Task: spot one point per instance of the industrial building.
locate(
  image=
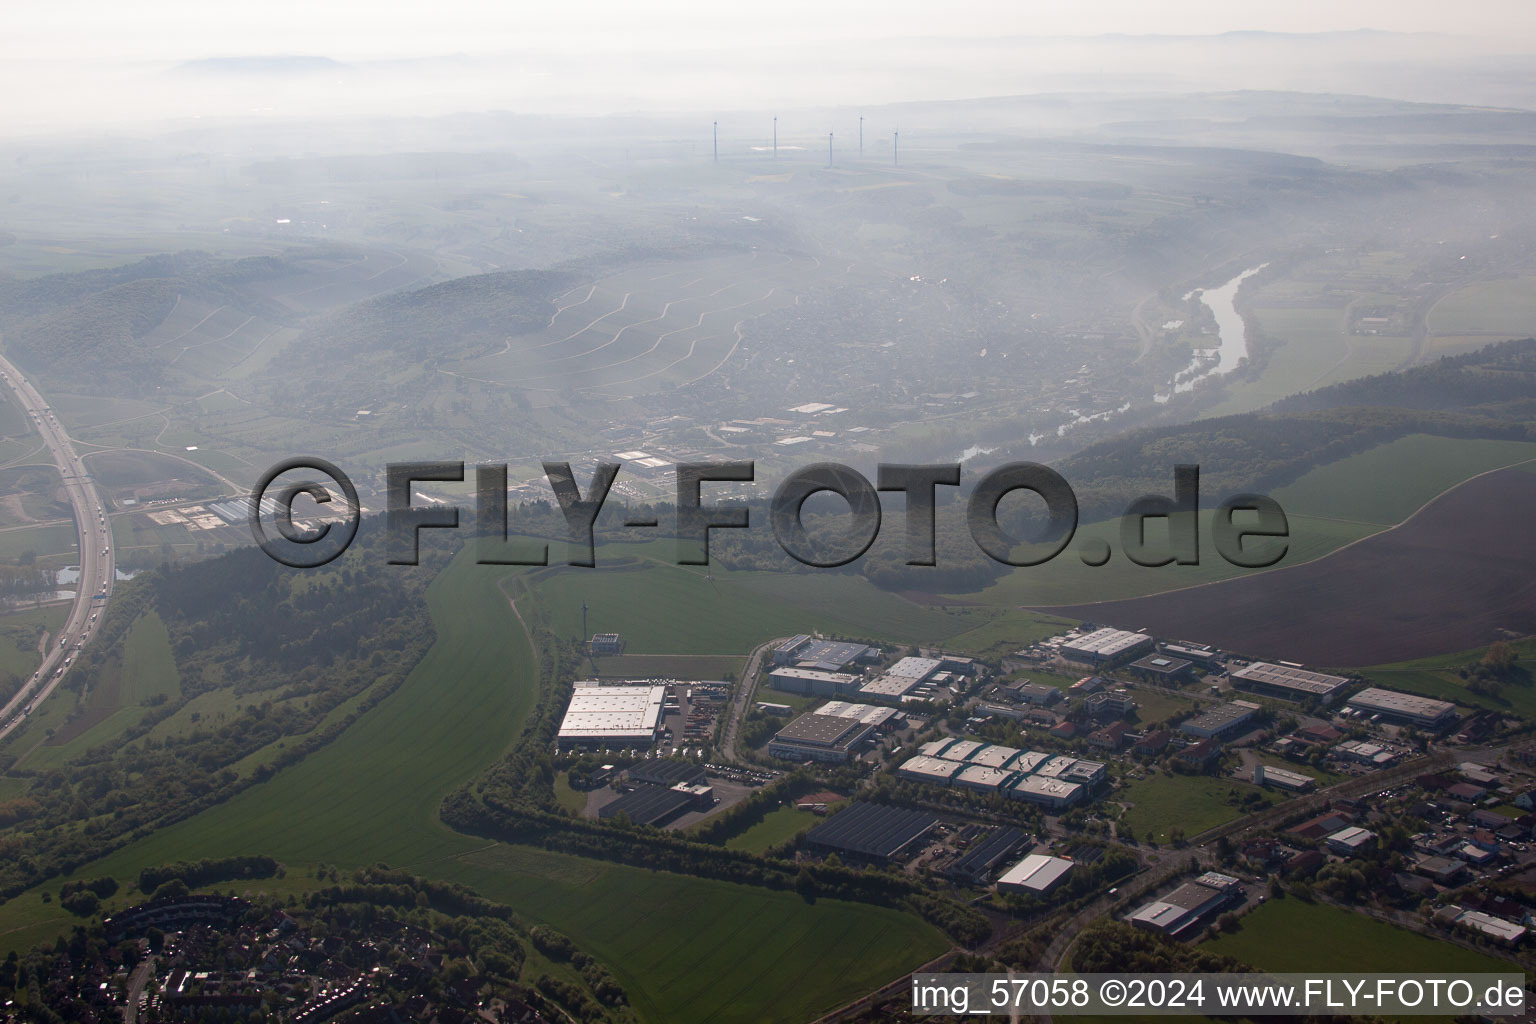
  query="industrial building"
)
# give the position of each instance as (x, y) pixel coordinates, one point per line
(612, 716)
(1160, 668)
(606, 643)
(1084, 772)
(1404, 708)
(1054, 765)
(666, 771)
(929, 769)
(1053, 794)
(1200, 654)
(957, 750)
(827, 655)
(813, 682)
(1037, 874)
(1182, 910)
(973, 752)
(1362, 752)
(880, 719)
(981, 778)
(1349, 841)
(814, 737)
(649, 805)
(871, 832)
(1053, 781)
(901, 679)
(1496, 928)
(995, 756)
(1268, 775)
(1028, 761)
(1106, 645)
(1222, 720)
(977, 865)
(1288, 682)
(1034, 693)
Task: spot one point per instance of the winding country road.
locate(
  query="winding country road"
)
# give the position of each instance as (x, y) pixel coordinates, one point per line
(97, 568)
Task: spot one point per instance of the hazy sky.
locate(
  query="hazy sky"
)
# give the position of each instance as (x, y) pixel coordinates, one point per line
(355, 29)
(72, 64)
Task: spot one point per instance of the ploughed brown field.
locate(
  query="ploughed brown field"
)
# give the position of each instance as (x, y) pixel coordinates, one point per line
(1458, 574)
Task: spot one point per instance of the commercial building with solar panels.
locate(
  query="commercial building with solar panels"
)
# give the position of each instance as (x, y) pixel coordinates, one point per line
(977, 865)
(649, 805)
(828, 655)
(612, 716)
(1288, 682)
(872, 833)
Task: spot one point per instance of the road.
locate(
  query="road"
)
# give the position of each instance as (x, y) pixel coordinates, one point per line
(136, 983)
(97, 569)
(746, 686)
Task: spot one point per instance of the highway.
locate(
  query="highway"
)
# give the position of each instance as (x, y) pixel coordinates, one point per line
(97, 569)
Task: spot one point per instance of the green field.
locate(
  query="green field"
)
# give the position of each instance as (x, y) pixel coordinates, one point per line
(19, 633)
(115, 704)
(694, 950)
(1194, 803)
(1293, 935)
(1497, 309)
(1153, 706)
(1315, 350)
(149, 668)
(666, 666)
(687, 949)
(777, 826)
(58, 539)
(661, 608)
(573, 800)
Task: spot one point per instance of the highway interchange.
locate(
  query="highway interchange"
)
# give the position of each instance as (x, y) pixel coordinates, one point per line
(97, 568)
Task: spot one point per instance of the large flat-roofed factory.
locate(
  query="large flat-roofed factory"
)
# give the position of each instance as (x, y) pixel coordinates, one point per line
(1052, 781)
(1404, 708)
(1288, 682)
(871, 833)
(1221, 720)
(833, 732)
(834, 668)
(1183, 910)
(1106, 645)
(804, 651)
(908, 679)
(613, 716)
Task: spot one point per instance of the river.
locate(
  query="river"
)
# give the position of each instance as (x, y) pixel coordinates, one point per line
(1231, 335)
